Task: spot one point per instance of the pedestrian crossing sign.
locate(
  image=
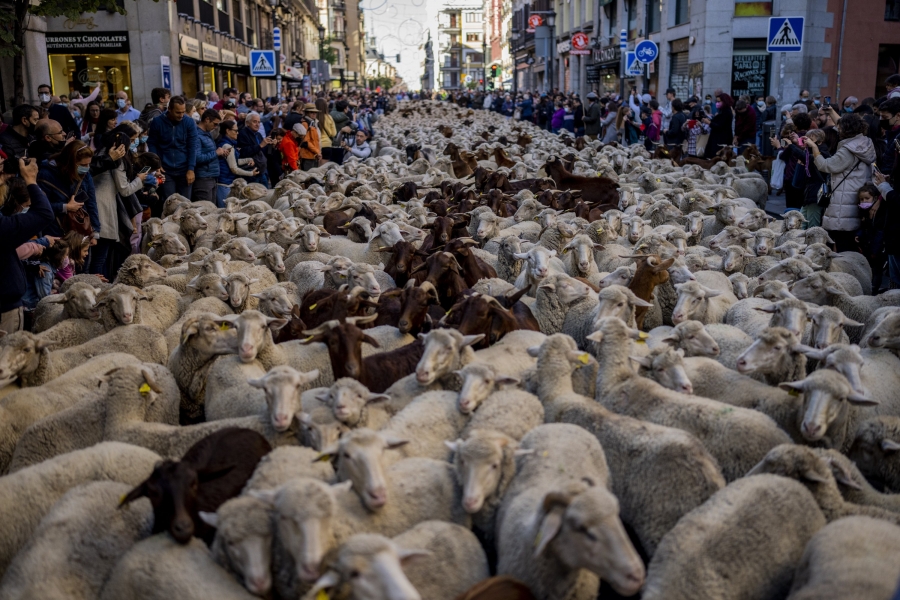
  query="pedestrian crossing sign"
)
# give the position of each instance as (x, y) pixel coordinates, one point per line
(262, 63)
(785, 34)
(633, 67)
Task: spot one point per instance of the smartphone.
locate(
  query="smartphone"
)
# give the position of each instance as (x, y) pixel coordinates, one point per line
(70, 136)
(827, 99)
(145, 170)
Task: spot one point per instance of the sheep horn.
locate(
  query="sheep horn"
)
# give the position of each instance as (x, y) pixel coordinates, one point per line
(361, 320)
(326, 326)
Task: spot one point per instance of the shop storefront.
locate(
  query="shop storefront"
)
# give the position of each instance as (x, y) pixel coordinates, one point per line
(750, 69)
(679, 71)
(605, 69)
(82, 61)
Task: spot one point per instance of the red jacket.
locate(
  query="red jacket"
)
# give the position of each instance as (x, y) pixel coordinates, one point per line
(290, 151)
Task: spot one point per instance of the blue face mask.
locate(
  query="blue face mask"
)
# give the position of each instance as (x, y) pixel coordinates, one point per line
(134, 145)
(83, 170)
(76, 113)
(120, 103)
(816, 102)
(143, 139)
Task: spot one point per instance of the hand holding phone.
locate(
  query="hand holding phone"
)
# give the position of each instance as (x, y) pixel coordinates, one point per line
(145, 170)
(827, 99)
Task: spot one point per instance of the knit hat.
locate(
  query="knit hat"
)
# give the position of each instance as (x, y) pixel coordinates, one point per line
(299, 129)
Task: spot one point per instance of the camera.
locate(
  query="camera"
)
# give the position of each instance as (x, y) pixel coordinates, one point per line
(11, 166)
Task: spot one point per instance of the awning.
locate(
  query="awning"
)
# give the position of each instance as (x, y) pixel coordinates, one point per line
(234, 68)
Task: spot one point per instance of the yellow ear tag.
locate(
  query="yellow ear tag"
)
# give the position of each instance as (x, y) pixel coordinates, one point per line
(313, 307)
(144, 389)
(224, 326)
(537, 539)
(309, 338)
(658, 180)
(322, 595)
(584, 358)
(122, 499)
(599, 231)
(642, 338)
(324, 458)
(793, 392)
(565, 250)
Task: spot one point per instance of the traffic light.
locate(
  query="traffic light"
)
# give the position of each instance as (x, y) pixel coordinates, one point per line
(490, 85)
(495, 70)
(480, 81)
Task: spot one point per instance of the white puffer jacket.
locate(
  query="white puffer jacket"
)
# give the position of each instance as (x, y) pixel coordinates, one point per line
(853, 160)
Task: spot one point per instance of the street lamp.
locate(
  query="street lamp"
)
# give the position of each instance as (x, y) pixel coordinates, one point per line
(513, 44)
(551, 21)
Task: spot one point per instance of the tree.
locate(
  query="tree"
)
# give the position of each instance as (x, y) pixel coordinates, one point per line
(326, 52)
(386, 83)
(14, 16)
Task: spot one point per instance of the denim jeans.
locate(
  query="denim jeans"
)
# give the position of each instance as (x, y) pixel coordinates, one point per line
(101, 254)
(894, 270)
(222, 192)
(204, 188)
(175, 184)
(37, 287)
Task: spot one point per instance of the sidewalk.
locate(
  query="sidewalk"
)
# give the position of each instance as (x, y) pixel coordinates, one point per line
(775, 205)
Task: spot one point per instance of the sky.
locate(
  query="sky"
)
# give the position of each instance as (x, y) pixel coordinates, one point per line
(401, 27)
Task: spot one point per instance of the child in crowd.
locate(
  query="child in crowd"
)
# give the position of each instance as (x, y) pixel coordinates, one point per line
(870, 236)
(79, 245)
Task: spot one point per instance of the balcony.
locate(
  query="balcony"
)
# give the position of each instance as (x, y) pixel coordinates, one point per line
(337, 5)
(454, 25)
(338, 36)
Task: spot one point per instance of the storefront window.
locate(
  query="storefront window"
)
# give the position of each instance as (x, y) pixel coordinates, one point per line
(189, 79)
(208, 79)
(84, 72)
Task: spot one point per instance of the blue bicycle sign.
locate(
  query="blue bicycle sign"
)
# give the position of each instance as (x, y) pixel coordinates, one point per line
(647, 51)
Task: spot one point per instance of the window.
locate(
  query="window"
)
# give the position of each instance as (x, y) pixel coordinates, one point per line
(473, 37)
(238, 25)
(473, 17)
(632, 19)
(682, 11)
(654, 12)
(613, 21)
(222, 5)
(185, 6)
(892, 10)
(207, 13)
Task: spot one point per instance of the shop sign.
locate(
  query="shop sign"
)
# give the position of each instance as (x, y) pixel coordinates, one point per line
(563, 47)
(228, 57)
(592, 74)
(210, 52)
(608, 54)
(682, 45)
(242, 60)
(581, 44)
(534, 21)
(749, 74)
(189, 46)
(109, 42)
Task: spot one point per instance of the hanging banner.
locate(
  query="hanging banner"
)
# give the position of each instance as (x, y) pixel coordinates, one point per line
(580, 44)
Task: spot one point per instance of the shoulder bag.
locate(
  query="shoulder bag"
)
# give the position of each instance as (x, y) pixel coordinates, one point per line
(827, 191)
(79, 220)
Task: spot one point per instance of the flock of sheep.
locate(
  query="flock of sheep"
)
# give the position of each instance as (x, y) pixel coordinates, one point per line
(458, 371)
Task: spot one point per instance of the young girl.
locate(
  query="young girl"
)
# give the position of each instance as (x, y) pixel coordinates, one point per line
(870, 236)
(78, 245)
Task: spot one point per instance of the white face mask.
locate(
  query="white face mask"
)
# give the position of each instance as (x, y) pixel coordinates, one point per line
(196, 116)
(25, 210)
(45, 98)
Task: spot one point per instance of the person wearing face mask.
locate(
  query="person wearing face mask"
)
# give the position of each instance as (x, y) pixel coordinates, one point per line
(230, 162)
(870, 236)
(52, 108)
(116, 204)
(804, 99)
(66, 179)
(15, 230)
(722, 126)
(849, 104)
(889, 121)
(49, 139)
(16, 139)
(124, 110)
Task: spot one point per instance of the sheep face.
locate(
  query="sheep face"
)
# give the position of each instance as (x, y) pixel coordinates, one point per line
(214, 262)
(273, 258)
(817, 235)
(876, 450)
(827, 396)
(764, 242)
(827, 326)
(797, 462)
(358, 459)
(820, 255)
(122, 300)
(211, 285)
(347, 398)
(789, 249)
(693, 299)
(666, 367)
(730, 236)
(771, 349)
(634, 228)
(537, 261)
(583, 531)
(81, 301)
(886, 334)
(319, 429)
(152, 228)
(238, 286)
(479, 463)
(275, 302)
(253, 332)
(441, 352)
(244, 534)
(239, 250)
(141, 268)
(170, 244)
(793, 220)
(695, 224)
(479, 382)
(754, 220)
(733, 259)
(816, 288)
(192, 222)
(210, 336)
(739, 285)
(363, 275)
(846, 360)
(693, 338)
(337, 271)
(20, 354)
(488, 226)
(788, 313)
(172, 490)
(772, 290)
(788, 271)
(621, 276)
(283, 386)
(582, 249)
(371, 566)
(619, 302)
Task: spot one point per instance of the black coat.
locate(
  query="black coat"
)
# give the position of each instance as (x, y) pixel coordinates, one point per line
(15, 231)
(721, 132)
(675, 136)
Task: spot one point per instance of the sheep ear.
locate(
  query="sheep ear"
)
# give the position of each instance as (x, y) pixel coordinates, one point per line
(711, 293)
(642, 360)
(453, 446)
(276, 324)
(834, 291)
(889, 446)
(468, 340)
(327, 453)
(842, 475)
(860, 400)
(377, 398)
(768, 308)
(851, 323)
(523, 452)
(810, 352)
(597, 336)
(792, 386)
(323, 396)
(259, 384)
(506, 380)
(139, 492)
(267, 496)
(534, 351)
(392, 443)
(811, 475)
(210, 518)
(325, 582)
(550, 526)
(407, 556)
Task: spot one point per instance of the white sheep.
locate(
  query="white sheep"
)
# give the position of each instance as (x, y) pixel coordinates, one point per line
(512, 412)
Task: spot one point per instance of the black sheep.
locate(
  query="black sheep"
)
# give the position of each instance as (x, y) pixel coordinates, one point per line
(212, 471)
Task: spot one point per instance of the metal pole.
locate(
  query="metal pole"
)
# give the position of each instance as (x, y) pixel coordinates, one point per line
(623, 47)
(550, 62)
(837, 92)
(483, 62)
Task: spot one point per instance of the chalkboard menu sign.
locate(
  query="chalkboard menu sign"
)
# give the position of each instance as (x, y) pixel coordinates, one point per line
(750, 75)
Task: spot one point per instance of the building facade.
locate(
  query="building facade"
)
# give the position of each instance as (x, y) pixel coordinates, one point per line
(427, 65)
(188, 46)
(461, 46)
(849, 48)
(345, 28)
